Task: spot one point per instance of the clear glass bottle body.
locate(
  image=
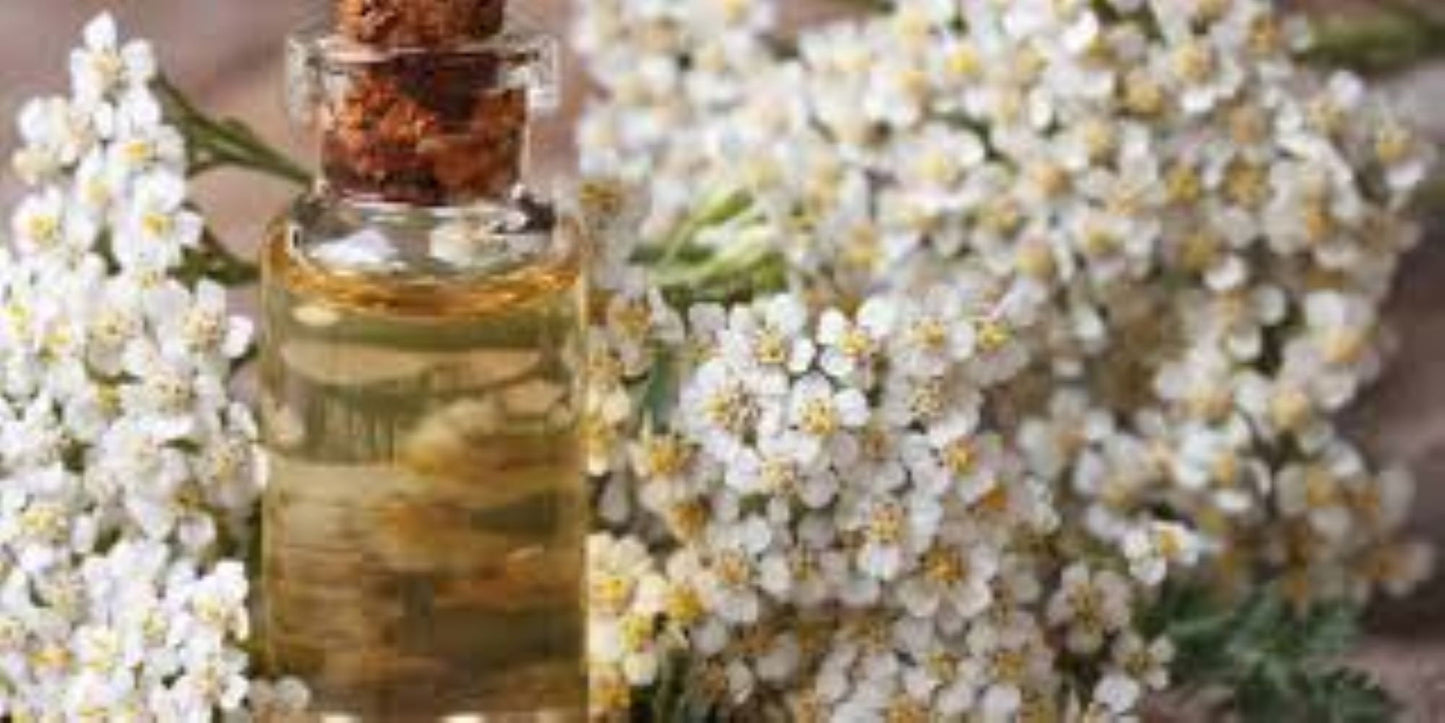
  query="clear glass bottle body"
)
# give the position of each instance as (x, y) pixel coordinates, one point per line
(425, 512)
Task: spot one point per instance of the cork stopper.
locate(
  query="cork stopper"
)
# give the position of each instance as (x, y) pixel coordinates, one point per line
(424, 101)
(419, 23)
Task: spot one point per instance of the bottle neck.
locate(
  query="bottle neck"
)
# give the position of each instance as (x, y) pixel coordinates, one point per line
(429, 128)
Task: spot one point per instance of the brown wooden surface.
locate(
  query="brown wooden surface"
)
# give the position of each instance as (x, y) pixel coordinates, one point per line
(228, 53)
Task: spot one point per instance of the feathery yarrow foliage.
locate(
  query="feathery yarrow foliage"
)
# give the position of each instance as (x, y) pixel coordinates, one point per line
(961, 335)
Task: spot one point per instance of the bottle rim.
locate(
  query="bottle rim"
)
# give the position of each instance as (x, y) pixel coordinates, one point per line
(317, 56)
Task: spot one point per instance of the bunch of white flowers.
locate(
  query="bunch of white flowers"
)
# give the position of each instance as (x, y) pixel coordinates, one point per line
(1012, 316)
(127, 466)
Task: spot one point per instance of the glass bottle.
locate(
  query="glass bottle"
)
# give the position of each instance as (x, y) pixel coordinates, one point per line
(424, 516)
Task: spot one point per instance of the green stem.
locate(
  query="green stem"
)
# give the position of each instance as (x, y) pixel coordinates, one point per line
(742, 270)
(1431, 195)
(219, 143)
(216, 262)
(871, 5)
(1391, 39)
(212, 144)
(721, 210)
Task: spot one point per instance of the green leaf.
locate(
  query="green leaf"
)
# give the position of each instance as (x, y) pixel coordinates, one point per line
(1347, 696)
(660, 395)
(668, 700)
(1332, 630)
(1277, 664)
(1392, 38)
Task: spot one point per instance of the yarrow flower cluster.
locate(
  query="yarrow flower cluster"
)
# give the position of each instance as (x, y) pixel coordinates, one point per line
(128, 467)
(1025, 312)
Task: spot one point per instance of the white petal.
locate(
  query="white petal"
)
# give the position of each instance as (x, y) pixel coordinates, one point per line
(100, 33)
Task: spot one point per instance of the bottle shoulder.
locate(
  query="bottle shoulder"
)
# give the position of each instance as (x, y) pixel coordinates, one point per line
(410, 260)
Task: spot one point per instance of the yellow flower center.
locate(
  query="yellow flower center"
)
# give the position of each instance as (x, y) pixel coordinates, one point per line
(771, 348)
(1008, 665)
(733, 569)
(43, 522)
(1170, 543)
(44, 229)
(1325, 115)
(636, 632)
(1099, 139)
(634, 319)
(1393, 144)
(1100, 241)
(911, 24)
(610, 692)
(1226, 468)
(930, 334)
(992, 334)
(936, 168)
(684, 606)
(855, 344)
(602, 198)
(1264, 36)
(1142, 96)
(734, 11)
(204, 329)
(873, 443)
(687, 520)
(995, 502)
(1088, 603)
(1209, 402)
(610, 593)
(1193, 61)
(157, 225)
(1289, 408)
(779, 475)
(820, 418)
(1345, 346)
(886, 524)
(52, 656)
(903, 709)
(1050, 178)
(964, 62)
(959, 457)
(926, 399)
(1246, 184)
(1320, 489)
(108, 65)
(1183, 184)
(728, 409)
(1319, 223)
(1035, 260)
(1200, 251)
(1028, 64)
(1002, 216)
(139, 151)
(665, 456)
(944, 567)
(1248, 125)
(1213, 10)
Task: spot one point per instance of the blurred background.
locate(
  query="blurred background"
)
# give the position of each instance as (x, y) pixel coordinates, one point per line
(228, 55)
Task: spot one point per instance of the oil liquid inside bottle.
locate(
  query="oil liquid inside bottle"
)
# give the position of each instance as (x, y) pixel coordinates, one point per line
(424, 517)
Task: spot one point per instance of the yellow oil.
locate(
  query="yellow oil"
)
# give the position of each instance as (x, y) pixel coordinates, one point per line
(424, 517)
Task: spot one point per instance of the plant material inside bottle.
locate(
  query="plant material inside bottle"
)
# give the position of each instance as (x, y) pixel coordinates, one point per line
(425, 515)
